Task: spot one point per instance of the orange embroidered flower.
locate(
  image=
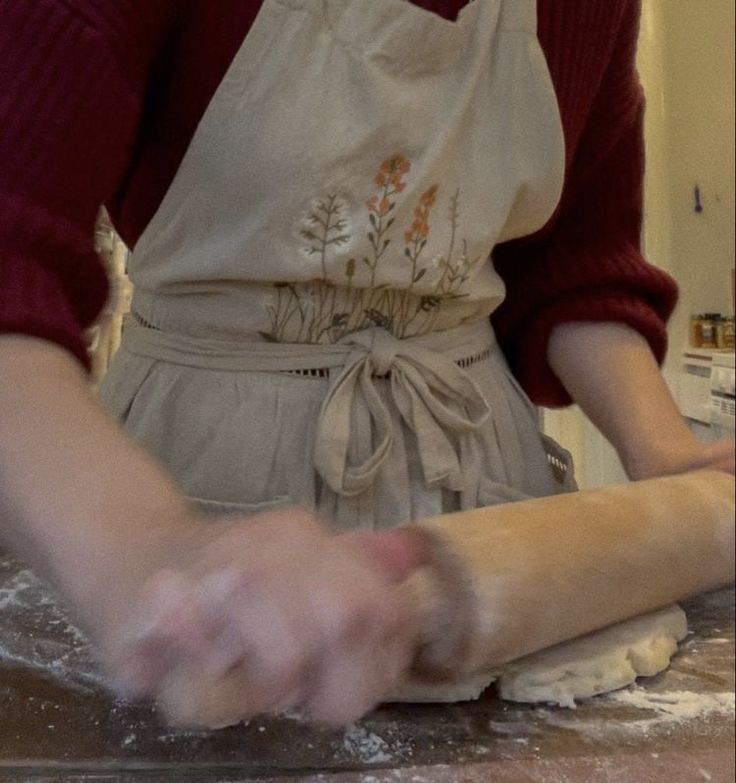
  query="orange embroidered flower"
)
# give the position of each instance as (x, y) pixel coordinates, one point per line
(391, 173)
(379, 208)
(419, 229)
(429, 196)
(396, 163)
(388, 181)
(396, 183)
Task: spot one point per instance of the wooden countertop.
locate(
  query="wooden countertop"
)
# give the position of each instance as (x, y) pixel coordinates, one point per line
(57, 722)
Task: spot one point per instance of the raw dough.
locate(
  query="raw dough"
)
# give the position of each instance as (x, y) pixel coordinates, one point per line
(599, 662)
(467, 689)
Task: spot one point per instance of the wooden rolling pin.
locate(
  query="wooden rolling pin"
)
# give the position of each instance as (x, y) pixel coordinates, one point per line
(508, 580)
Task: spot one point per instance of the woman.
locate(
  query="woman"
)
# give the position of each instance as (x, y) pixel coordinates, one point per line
(313, 189)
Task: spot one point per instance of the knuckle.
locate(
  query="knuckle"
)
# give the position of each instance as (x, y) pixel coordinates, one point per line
(358, 620)
(292, 665)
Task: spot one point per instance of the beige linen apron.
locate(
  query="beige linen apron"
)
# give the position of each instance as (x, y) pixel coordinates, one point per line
(312, 296)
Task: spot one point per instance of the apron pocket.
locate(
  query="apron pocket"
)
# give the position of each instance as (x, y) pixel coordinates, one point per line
(124, 377)
(226, 508)
(493, 493)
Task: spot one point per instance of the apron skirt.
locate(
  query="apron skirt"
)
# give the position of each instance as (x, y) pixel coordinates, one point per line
(373, 433)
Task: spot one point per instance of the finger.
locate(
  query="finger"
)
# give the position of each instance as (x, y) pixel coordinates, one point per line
(143, 651)
(353, 681)
(178, 624)
(280, 649)
(396, 553)
(190, 696)
(366, 653)
(256, 662)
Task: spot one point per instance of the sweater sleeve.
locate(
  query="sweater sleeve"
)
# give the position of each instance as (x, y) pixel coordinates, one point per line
(73, 78)
(586, 264)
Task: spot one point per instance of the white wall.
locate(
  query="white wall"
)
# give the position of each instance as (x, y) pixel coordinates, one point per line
(686, 61)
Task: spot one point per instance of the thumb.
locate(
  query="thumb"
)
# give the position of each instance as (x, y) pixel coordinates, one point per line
(396, 553)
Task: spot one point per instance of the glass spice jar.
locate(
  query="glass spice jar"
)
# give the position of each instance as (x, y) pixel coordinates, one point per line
(707, 332)
(696, 331)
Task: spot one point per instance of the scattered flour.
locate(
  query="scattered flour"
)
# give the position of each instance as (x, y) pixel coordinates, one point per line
(129, 739)
(38, 633)
(663, 711)
(676, 706)
(367, 747)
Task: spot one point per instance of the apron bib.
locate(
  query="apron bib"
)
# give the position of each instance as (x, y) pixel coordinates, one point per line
(312, 295)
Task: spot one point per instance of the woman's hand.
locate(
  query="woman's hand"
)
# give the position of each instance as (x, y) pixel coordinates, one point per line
(267, 614)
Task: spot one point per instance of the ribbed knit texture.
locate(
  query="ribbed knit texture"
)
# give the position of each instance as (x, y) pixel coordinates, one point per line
(99, 100)
(71, 87)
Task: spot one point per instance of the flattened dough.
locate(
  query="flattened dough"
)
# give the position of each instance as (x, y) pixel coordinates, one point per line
(599, 662)
(467, 689)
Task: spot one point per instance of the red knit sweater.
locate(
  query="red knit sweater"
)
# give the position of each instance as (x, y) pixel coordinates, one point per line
(100, 98)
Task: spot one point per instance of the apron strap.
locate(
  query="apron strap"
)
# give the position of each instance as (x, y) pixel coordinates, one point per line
(434, 396)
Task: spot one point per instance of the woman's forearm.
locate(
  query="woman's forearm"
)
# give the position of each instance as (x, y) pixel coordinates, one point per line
(611, 373)
(78, 499)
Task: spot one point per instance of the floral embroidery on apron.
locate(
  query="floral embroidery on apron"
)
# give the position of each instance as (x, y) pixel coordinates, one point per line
(326, 311)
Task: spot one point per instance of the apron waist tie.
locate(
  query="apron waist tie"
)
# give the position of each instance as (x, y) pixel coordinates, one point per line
(434, 395)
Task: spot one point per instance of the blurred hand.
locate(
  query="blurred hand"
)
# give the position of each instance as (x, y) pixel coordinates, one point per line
(267, 614)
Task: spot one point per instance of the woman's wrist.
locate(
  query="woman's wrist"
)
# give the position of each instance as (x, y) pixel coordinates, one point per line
(661, 453)
(678, 455)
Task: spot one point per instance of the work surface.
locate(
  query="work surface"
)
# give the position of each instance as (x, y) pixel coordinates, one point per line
(58, 722)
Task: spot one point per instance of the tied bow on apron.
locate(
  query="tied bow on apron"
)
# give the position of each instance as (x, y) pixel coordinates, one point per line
(437, 400)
